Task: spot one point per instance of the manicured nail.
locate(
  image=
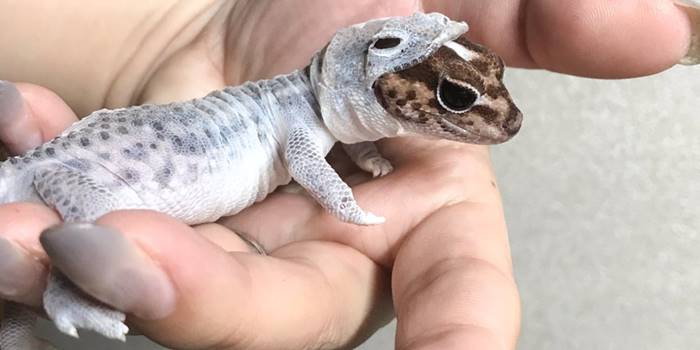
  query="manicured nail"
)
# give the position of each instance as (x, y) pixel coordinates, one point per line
(18, 272)
(692, 8)
(109, 267)
(10, 100)
(14, 120)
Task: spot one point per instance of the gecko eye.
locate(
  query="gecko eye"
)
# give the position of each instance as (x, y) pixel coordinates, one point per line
(454, 97)
(386, 43)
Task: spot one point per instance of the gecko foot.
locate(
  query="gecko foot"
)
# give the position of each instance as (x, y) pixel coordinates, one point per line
(71, 310)
(378, 166)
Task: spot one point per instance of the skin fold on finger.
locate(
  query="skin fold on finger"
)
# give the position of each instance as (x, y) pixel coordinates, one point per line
(20, 227)
(224, 237)
(452, 282)
(30, 115)
(242, 300)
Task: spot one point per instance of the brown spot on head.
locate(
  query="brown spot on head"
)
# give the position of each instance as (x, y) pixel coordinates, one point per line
(411, 95)
(495, 91)
(483, 66)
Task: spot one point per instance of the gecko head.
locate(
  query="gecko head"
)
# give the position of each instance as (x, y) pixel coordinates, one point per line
(456, 93)
(416, 74)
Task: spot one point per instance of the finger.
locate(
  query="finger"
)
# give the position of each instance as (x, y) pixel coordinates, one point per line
(22, 260)
(452, 281)
(30, 115)
(186, 292)
(596, 38)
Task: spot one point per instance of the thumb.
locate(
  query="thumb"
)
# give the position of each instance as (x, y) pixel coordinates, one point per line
(30, 115)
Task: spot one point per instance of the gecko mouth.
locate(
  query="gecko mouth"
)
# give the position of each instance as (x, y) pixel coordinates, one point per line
(486, 136)
(466, 135)
(456, 129)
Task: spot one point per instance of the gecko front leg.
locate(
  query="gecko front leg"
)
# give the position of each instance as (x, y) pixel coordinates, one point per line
(307, 165)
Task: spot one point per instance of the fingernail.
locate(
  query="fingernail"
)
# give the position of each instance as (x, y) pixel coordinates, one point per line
(10, 99)
(109, 267)
(692, 8)
(18, 272)
(15, 128)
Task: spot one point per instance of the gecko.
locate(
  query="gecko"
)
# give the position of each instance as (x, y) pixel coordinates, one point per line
(213, 156)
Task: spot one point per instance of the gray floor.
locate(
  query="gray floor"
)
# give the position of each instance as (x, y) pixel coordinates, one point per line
(602, 200)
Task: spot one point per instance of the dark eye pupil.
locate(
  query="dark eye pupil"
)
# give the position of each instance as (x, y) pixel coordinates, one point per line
(386, 43)
(455, 97)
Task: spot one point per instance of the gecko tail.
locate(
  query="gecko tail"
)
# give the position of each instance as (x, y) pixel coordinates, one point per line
(17, 330)
(6, 180)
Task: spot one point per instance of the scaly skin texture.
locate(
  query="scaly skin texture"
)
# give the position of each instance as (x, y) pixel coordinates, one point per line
(205, 158)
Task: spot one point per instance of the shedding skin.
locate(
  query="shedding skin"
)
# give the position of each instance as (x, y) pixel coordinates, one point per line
(214, 156)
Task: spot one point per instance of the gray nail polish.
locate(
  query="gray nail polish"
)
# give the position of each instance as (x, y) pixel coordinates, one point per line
(105, 264)
(17, 271)
(10, 100)
(12, 114)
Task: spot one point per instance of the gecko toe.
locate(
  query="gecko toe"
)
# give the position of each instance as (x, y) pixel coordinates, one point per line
(371, 219)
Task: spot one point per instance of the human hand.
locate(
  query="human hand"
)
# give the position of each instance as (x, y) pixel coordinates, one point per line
(445, 240)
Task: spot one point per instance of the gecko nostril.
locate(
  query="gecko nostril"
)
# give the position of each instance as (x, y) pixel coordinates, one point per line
(513, 124)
